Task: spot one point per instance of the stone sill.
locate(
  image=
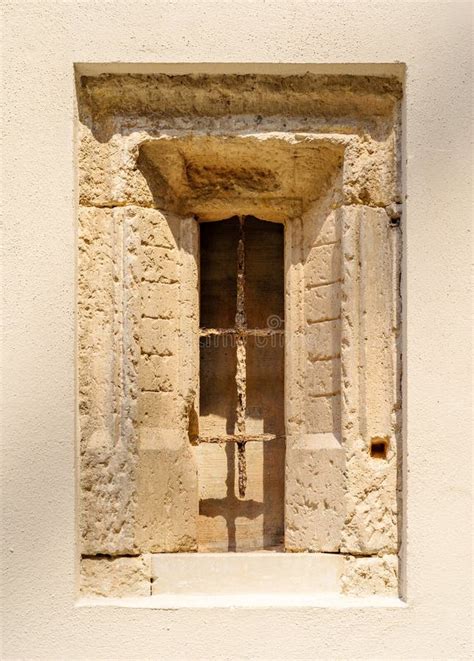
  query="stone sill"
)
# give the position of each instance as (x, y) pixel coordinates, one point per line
(249, 601)
(243, 580)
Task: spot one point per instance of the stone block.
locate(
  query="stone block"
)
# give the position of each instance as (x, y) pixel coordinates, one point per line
(314, 495)
(167, 494)
(160, 300)
(322, 413)
(107, 170)
(369, 357)
(323, 303)
(372, 575)
(107, 379)
(116, 577)
(322, 226)
(107, 508)
(160, 409)
(159, 336)
(159, 230)
(160, 264)
(157, 373)
(371, 501)
(249, 574)
(322, 265)
(323, 340)
(371, 171)
(323, 377)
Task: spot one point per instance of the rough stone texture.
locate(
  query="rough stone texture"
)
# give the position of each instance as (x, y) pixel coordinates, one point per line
(124, 158)
(370, 575)
(115, 577)
(195, 96)
(315, 459)
(167, 475)
(134, 398)
(371, 170)
(275, 176)
(323, 302)
(370, 380)
(107, 170)
(108, 303)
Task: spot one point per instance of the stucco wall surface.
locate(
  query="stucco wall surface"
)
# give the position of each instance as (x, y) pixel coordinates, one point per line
(43, 43)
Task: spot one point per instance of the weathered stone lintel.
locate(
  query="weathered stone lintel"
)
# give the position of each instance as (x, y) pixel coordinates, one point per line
(216, 176)
(220, 95)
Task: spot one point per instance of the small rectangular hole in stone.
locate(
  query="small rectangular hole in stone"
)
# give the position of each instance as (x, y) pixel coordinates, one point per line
(378, 448)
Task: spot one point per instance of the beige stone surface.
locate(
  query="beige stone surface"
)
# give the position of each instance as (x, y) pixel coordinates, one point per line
(156, 373)
(237, 574)
(314, 483)
(159, 337)
(322, 340)
(321, 222)
(132, 378)
(272, 176)
(323, 378)
(370, 380)
(370, 575)
(158, 301)
(136, 161)
(115, 577)
(167, 475)
(107, 168)
(323, 303)
(323, 413)
(367, 98)
(322, 265)
(108, 354)
(314, 512)
(167, 492)
(371, 169)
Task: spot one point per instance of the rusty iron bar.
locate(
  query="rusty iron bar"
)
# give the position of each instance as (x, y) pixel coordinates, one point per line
(241, 371)
(236, 438)
(240, 317)
(242, 466)
(246, 332)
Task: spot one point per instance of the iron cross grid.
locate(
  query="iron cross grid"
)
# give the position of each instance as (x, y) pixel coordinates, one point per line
(240, 332)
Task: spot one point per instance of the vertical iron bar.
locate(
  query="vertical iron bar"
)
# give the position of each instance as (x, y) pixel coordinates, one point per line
(240, 376)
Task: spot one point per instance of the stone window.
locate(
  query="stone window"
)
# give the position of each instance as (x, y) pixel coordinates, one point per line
(239, 327)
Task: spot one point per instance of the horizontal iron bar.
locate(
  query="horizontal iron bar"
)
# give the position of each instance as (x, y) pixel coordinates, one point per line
(261, 332)
(235, 438)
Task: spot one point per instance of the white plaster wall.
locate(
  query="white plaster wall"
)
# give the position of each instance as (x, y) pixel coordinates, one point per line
(42, 41)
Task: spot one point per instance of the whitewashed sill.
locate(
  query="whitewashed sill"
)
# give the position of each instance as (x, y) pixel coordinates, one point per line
(248, 601)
